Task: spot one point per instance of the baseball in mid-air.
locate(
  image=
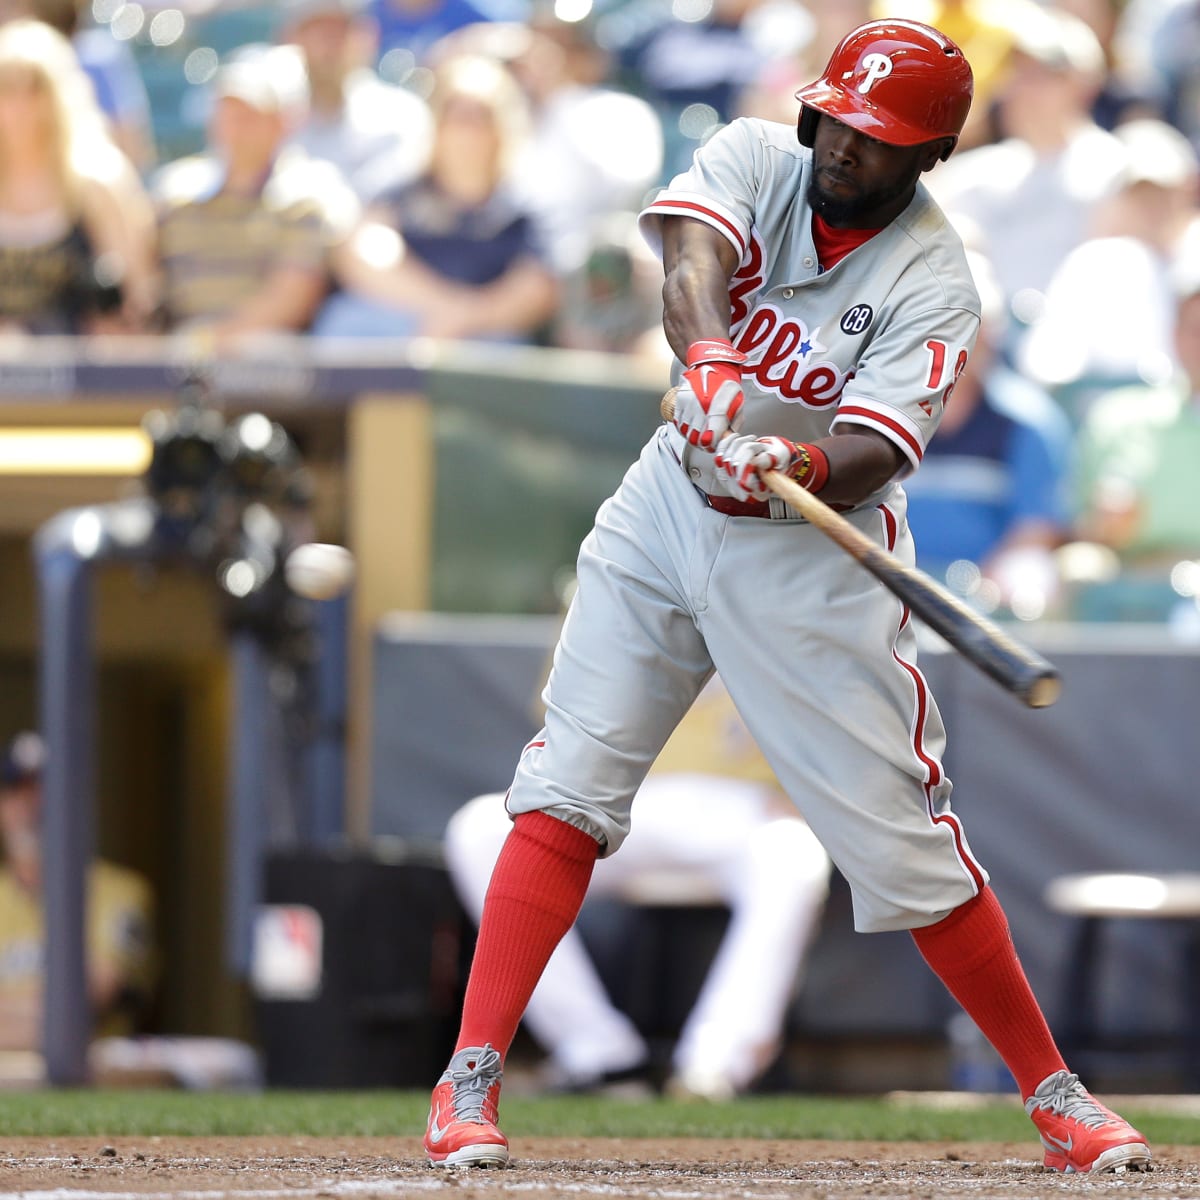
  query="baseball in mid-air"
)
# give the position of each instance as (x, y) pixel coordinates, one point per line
(319, 570)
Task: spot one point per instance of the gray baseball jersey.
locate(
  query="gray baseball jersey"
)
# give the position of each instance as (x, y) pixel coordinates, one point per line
(819, 658)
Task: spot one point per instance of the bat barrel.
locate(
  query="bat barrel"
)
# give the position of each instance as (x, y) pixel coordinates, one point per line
(1016, 667)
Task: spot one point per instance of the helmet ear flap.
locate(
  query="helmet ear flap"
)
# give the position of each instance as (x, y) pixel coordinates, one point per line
(806, 126)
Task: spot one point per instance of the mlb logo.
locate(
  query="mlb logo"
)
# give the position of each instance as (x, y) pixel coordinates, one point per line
(287, 952)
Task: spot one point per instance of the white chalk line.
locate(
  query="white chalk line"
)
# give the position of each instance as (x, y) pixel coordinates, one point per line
(441, 1178)
(377, 1186)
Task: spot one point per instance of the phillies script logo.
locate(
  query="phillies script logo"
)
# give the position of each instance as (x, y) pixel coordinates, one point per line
(783, 356)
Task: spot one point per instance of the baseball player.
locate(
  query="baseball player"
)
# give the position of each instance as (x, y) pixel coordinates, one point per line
(815, 295)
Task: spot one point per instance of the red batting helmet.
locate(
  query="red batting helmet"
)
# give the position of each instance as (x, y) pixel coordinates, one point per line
(899, 82)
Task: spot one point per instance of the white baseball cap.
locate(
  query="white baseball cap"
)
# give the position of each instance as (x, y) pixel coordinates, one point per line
(1156, 153)
(1059, 40)
(269, 78)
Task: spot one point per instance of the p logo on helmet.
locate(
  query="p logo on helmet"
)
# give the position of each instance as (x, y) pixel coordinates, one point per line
(875, 67)
(896, 81)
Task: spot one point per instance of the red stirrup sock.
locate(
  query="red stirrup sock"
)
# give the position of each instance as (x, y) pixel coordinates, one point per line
(971, 951)
(537, 888)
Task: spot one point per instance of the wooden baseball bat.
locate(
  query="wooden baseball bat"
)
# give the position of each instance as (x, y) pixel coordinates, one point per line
(1016, 668)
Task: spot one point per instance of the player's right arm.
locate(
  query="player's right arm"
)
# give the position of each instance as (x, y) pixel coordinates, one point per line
(698, 264)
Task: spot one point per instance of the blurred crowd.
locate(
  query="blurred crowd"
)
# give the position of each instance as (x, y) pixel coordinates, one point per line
(473, 169)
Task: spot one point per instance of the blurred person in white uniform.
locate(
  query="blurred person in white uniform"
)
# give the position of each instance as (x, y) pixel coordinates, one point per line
(710, 812)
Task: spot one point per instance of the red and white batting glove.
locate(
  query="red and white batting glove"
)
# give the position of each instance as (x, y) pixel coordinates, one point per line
(708, 407)
(745, 459)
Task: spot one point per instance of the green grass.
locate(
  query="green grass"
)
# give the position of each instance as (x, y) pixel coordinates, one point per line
(282, 1113)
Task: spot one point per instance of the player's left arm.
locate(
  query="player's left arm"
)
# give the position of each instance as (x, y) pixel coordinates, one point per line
(861, 461)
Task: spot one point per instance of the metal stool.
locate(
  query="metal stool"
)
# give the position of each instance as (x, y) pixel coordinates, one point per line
(1093, 899)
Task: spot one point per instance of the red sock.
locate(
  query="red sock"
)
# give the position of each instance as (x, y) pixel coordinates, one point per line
(537, 888)
(971, 951)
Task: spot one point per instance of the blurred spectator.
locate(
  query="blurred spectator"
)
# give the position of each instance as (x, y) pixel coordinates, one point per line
(1138, 490)
(1123, 269)
(694, 68)
(987, 31)
(591, 150)
(411, 27)
(452, 254)
(1136, 24)
(246, 232)
(108, 63)
(1032, 196)
(1160, 45)
(118, 934)
(76, 228)
(988, 507)
(772, 93)
(1120, 98)
(709, 814)
(613, 303)
(830, 21)
(376, 134)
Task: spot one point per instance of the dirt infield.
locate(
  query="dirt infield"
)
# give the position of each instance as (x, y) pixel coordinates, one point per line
(149, 1168)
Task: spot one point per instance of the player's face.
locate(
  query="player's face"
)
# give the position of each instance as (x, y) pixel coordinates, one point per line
(861, 183)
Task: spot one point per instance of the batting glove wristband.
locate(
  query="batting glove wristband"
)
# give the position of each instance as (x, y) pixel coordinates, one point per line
(714, 376)
(746, 459)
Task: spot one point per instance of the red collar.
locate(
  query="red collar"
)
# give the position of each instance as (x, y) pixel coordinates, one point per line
(834, 244)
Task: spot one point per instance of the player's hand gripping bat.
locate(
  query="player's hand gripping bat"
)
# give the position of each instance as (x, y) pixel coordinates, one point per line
(1017, 668)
